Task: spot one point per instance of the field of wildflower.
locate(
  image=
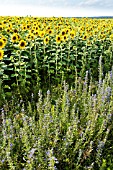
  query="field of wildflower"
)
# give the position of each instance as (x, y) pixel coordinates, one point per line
(56, 93)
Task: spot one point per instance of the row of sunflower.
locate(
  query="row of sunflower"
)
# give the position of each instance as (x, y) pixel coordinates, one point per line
(57, 44)
(59, 28)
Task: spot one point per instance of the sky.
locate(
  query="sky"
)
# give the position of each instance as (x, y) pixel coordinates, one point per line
(56, 8)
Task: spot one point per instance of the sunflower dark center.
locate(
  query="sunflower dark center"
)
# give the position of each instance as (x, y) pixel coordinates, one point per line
(15, 31)
(4, 40)
(58, 38)
(1, 43)
(63, 33)
(22, 44)
(14, 38)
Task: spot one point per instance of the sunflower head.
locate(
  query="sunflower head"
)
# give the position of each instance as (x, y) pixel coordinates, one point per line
(1, 27)
(10, 26)
(46, 40)
(22, 44)
(41, 33)
(14, 38)
(36, 33)
(65, 38)
(8, 30)
(15, 30)
(24, 28)
(84, 37)
(72, 34)
(58, 38)
(36, 28)
(28, 37)
(28, 26)
(50, 31)
(32, 36)
(63, 32)
(111, 37)
(5, 40)
(1, 54)
(2, 43)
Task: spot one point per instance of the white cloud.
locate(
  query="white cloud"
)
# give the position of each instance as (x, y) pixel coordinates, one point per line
(25, 10)
(66, 8)
(35, 2)
(89, 2)
(96, 3)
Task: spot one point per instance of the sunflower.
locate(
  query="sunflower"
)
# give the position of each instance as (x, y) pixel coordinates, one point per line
(63, 32)
(24, 28)
(84, 37)
(48, 27)
(89, 43)
(67, 31)
(72, 34)
(28, 26)
(2, 43)
(36, 33)
(5, 40)
(15, 30)
(10, 26)
(22, 44)
(58, 38)
(111, 37)
(65, 38)
(103, 37)
(8, 30)
(50, 31)
(28, 37)
(36, 28)
(18, 37)
(14, 38)
(41, 33)
(32, 36)
(46, 40)
(1, 54)
(1, 27)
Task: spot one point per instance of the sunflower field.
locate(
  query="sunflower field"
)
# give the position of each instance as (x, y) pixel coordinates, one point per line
(56, 93)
